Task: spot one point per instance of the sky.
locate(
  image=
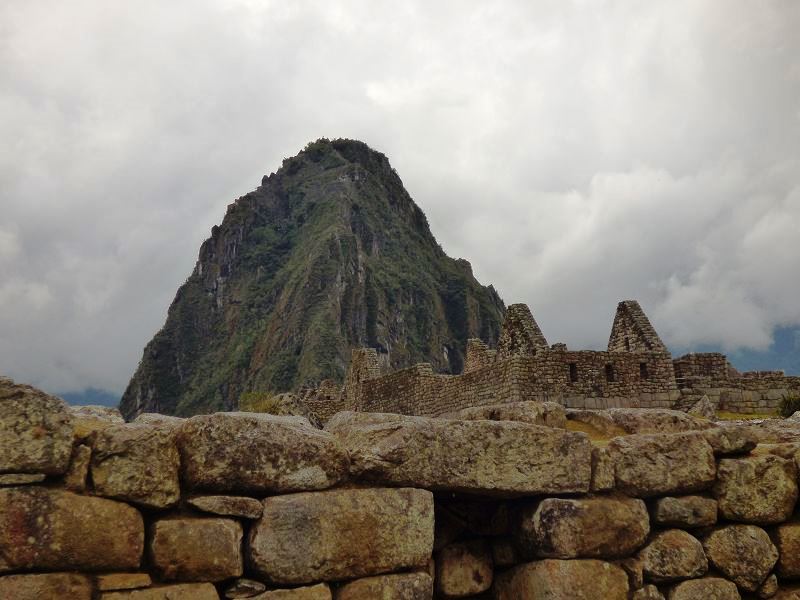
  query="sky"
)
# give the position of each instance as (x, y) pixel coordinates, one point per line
(575, 152)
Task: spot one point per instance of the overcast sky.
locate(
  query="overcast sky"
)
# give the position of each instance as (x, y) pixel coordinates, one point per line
(577, 153)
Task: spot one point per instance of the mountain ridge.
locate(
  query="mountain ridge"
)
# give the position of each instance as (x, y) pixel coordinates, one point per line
(329, 253)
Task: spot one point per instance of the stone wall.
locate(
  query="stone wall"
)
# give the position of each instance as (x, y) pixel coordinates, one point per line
(710, 374)
(577, 379)
(632, 330)
(500, 503)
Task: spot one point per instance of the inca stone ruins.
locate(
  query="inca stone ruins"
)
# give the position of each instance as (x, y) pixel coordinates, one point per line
(637, 371)
(538, 473)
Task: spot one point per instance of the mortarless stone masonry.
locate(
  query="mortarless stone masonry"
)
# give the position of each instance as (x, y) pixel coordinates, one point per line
(379, 506)
(637, 371)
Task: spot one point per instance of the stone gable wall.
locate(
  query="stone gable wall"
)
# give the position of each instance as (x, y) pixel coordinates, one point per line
(490, 505)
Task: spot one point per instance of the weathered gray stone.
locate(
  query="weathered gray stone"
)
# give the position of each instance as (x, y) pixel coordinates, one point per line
(648, 592)
(184, 591)
(35, 430)
(707, 588)
(769, 588)
(743, 553)
(655, 420)
(730, 440)
(464, 569)
(673, 555)
(137, 463)
(490, 457)
(258, 453)
(757, 489)
(562, 580)
(196, 549)
(46, 586)
(602, 470)
(685, 511)
(12, 479)
(599, 527)
(159, 419)
(321, 591)
(244, 588)
(122, 581)
(399, 586)
(659, 464)
(547, 414)
(231, 506)
(50, 529)
(704, 409)
(299, 537)
(101, 413)
(787, 538)
(75, 477)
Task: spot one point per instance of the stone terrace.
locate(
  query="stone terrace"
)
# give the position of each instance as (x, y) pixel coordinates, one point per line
(495, 502)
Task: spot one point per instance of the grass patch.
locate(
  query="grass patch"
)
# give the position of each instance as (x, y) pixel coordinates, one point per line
(732, 416)
(595, 435)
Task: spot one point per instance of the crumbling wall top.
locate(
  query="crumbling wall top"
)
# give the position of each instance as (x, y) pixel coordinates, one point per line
(521, 334)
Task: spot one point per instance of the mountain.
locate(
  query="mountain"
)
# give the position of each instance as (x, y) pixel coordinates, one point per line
(328, 254)
(91, 396)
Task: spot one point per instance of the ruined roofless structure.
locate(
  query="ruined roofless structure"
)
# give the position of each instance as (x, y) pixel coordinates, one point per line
(636, 371)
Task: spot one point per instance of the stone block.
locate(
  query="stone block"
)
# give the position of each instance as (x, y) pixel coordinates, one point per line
(299, 537)
(44, 586)
(547, 414)
(229, 506)
(484, 457)
(731, 439)
(122, 581)
(398, 586)
(685, 512)
(244, 588)
(707, 588)
(50, 529)
(757, 489)
(137, 463)
(184, 591)
(75, 477)
(571, 528)
(673, 555)
(563, 579)
(14, 479)
(743, 553)
(35, 430)
(258, 453)
(320, 591)
(660, 464)
(196, 549)
(786, 537)
(464, 569)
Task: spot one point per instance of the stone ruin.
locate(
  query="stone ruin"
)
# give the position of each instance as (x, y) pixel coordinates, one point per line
(636, 371)
(499, 502)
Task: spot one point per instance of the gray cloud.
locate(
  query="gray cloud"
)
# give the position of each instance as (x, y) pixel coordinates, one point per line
(577, 153)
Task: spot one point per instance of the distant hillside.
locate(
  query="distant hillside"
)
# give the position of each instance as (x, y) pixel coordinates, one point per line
(328, 254)
(90, 396)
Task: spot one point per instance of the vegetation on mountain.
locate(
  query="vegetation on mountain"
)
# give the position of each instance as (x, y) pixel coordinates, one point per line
(330, 253)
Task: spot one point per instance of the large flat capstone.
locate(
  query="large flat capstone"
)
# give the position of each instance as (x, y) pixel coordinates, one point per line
(35, 430)
(49, 529)
(341, 534)
(648, 465)
(487, 457)
(258, 453)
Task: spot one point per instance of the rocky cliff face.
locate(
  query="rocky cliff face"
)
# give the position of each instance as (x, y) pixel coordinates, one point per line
(328, 254)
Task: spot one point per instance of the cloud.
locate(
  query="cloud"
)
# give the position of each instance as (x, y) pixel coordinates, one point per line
(576, 153)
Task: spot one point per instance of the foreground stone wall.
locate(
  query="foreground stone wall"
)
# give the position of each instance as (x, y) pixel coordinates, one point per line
(496, 502)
